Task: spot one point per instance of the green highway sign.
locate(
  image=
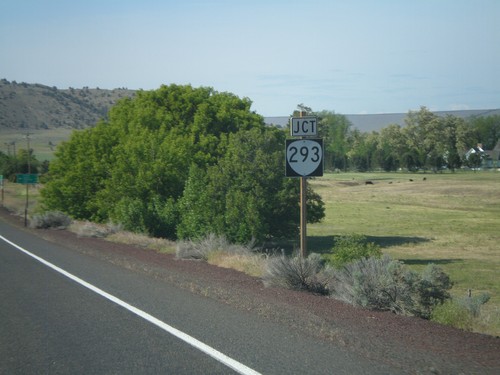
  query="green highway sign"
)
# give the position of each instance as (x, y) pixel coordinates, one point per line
(25, 178)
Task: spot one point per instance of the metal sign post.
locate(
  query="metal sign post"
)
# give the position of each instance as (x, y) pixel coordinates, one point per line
(304, 158)
(26, 179)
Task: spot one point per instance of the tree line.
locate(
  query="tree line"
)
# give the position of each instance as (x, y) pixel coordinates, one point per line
(22, 161)
(426, 142)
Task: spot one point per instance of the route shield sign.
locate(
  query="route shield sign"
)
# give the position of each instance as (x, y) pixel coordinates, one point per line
(304, 157)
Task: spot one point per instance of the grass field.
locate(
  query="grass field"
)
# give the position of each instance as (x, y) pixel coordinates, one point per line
(449, 219)
(42, 141)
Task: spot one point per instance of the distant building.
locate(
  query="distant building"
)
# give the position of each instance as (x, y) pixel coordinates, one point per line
(492, 158)
(489, 158)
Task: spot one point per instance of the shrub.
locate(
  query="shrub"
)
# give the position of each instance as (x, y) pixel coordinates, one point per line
(453, 314)
(387, 284)
(463, 313)
(473, 303)
(50, 219)
(431, 289)
(350, 248)
(297, 273)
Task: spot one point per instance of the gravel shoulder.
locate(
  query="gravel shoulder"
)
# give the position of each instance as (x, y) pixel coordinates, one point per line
(412, 344)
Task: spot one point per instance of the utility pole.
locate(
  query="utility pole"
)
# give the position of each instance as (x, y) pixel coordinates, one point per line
(27, 185)
(29, 151)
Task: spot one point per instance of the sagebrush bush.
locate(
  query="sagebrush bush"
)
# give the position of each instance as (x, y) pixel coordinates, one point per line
(202, 248)
(387, 284)
(50, 219)
(297, 273)
(473, 303)
(350, 248)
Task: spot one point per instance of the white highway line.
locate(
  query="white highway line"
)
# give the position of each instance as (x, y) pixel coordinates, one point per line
(221, 357)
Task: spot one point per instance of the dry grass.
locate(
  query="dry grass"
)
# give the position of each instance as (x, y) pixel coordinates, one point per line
(114, 233)
(14, 197)
(160, 245)
(252, 264)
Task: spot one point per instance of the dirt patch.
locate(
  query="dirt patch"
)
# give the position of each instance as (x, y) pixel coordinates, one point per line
(414, 345)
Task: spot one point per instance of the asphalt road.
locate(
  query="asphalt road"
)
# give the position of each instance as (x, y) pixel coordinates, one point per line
(118, 322)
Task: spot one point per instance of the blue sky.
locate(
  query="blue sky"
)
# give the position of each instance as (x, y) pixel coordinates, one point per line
(350, 56)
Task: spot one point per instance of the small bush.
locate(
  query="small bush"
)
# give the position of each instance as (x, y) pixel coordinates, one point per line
(350, 248)
(297, 273)
(50, 219)
(463, 313)
(387, 284)
(473, 303)
(453, 314)
(432, 289)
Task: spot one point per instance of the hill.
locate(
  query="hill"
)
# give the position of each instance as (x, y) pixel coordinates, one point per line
(35, 106)
(375, 122)
(26, 106)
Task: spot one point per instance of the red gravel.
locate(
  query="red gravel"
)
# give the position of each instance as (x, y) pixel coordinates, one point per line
(412, 344)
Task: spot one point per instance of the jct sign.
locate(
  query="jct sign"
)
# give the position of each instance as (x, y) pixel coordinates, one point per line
(304, 126)
(304, 157)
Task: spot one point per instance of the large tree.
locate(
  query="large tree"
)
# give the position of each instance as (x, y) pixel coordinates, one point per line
(335, 129)
(133, 168)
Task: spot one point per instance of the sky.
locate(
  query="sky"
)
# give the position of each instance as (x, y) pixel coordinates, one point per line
(350, 56)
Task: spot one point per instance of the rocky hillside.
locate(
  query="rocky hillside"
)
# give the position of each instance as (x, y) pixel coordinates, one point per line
(35, 106)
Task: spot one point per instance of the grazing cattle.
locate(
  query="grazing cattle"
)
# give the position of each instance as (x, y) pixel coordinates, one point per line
(368, 183)
(411, 180)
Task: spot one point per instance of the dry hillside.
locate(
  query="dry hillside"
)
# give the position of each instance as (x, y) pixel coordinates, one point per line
(35, 106)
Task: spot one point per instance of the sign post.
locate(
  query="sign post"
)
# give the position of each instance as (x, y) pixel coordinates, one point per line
(304, 158)
(26, 179)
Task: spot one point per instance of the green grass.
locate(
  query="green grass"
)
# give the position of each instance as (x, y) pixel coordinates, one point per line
(42, 141)
(450, 219)
(14, 197)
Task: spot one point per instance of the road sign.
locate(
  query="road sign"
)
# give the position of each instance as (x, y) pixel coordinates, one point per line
(304, 126)
(304, 157)
(25, 178)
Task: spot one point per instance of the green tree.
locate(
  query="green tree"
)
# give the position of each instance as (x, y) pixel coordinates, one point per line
(334, 128)
(178, 161)
(486, 130)
(360, 151)
(245, 196)
(79, 171)
(392, 148)
(416, 131)
(133, 168)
